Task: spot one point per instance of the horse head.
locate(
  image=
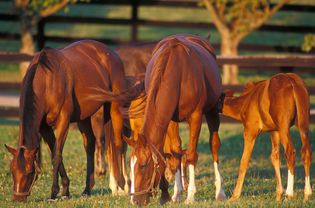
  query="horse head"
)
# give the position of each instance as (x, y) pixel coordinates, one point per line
(146, 165)
(24, 168)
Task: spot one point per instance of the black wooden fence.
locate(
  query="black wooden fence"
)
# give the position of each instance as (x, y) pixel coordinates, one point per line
(134, 21)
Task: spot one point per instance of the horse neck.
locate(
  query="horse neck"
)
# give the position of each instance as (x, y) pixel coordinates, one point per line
(232, 106)
(154, 130)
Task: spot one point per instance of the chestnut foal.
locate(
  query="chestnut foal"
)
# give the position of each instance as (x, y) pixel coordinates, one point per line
(273, 106)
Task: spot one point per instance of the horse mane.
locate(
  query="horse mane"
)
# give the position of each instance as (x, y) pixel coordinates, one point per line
(29, 106)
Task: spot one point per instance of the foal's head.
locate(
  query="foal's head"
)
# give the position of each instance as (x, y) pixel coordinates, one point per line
(24, 169)
(146, 166)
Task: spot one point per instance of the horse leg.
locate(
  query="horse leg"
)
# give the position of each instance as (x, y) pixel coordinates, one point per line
(276, 162)
(306, 154)
(49, 137)
(165, 196)
(289, 151)
(89, 145)
(117, 176)
(250, 136)
(124, 169)
(62, 127)
(213, 121)
(97, 122)
(174, 147)
(194, 122)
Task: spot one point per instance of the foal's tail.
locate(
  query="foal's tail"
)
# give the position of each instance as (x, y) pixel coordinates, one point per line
(301, 97)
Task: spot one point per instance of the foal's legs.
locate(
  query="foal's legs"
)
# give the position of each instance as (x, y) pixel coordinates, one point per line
(289, 151)
(49, 137)
(97, 121)
(276, 162)
(250, 136)
(306, 154)
(213, 122)
(173, 146)
(89, 145)
(194, 122)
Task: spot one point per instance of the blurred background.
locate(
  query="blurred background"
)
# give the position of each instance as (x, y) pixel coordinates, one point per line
(254, 39)
(264, 37)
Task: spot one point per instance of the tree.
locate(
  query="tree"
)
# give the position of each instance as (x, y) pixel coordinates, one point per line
(30, 12)
(309, 42)
(235, 19)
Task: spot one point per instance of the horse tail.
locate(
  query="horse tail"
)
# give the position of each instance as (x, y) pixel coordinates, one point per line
(301, 97)
(112, 155)
(126, 96)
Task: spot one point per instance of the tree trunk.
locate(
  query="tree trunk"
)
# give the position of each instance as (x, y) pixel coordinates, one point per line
(229, 48)
(27, 42)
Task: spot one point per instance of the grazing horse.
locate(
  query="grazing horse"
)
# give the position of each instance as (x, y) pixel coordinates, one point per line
(56, 91)
(273, 106)
(172, 147)
(182, 82)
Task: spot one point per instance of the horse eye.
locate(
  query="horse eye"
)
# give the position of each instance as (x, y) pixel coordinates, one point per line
(142, 166)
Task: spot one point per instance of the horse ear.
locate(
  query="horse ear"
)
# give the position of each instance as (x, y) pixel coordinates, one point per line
(229, 93)
(130, 142)
(10, 149)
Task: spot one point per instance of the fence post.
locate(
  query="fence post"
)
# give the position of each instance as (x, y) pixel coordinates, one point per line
(134, 20)
(41, 34)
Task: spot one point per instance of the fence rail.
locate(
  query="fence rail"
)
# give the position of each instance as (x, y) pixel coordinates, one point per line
(134, 22)
(295, 63)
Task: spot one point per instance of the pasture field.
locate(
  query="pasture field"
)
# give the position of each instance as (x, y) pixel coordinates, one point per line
(258, 191)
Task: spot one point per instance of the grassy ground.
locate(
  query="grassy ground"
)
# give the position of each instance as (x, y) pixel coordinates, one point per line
(258, 191)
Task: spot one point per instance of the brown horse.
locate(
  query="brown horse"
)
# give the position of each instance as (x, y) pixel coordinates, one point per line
(182, 82)
(56, 91)
(273, 106)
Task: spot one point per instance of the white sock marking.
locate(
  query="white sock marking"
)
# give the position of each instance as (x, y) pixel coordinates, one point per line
(308, 188)
(219, 192)
(191, 185)
(132, 176)
(178, 187)
(290, 184)
(113, 183)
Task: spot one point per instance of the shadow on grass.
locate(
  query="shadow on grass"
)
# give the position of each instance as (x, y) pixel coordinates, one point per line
(101, 191)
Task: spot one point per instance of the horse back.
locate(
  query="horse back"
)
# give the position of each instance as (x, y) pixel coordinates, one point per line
(187, 69)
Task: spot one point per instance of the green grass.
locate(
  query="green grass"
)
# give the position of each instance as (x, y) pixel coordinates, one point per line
(258, 191)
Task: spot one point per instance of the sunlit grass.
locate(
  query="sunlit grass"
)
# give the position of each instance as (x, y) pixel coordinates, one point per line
(258, 191)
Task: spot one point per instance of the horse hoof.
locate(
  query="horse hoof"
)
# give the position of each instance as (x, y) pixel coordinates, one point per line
(85, 194)
(221, 196)
(65, 197)
(307, 197)
(234, 198)
(288, 197)
(164, 200)
(189, 201)
(52, 200)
